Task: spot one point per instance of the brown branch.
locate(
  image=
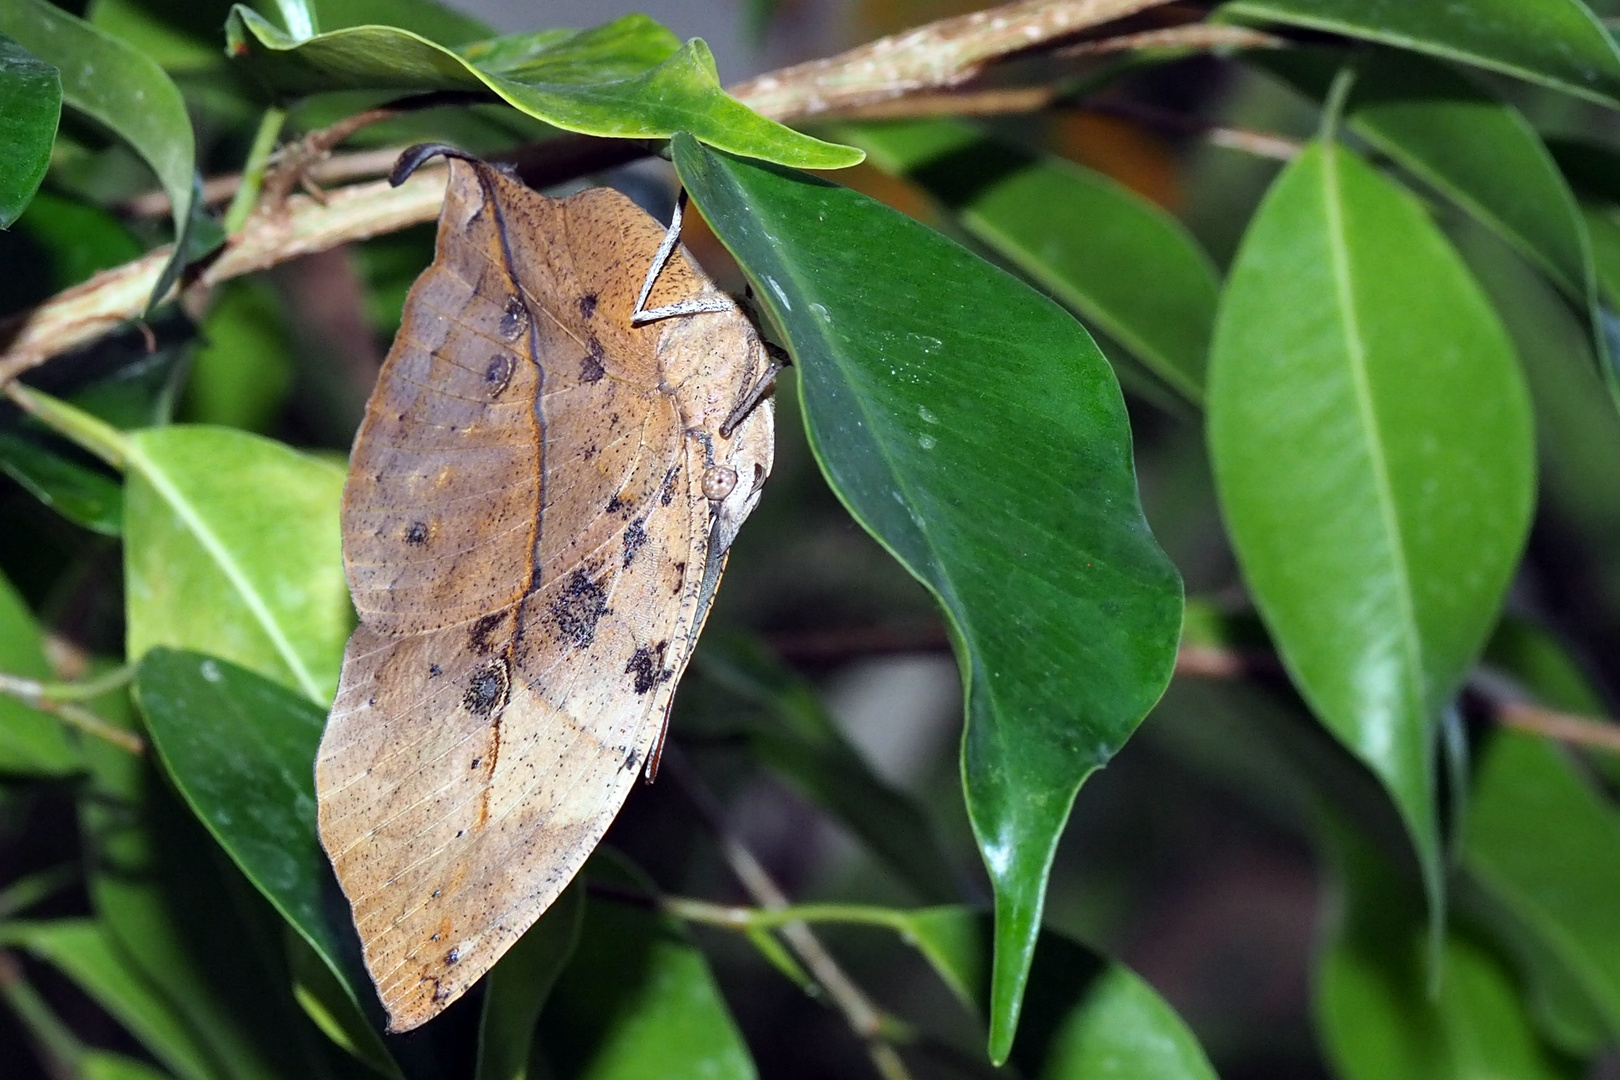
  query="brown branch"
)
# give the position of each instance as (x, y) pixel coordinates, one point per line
(1197, 37)
(1589, 732)
(864, 1018)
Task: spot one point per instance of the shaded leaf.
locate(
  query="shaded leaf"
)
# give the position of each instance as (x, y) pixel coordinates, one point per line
(638, 1000)
(326, 1000)
(31, 742)
(973, 428)
(232, 545)
(241, 750)
(1124, 265)
(100, 1065)
(615, 80)
(1556, 43)
(126, 91)
(1371, 440)
(1378, 1016)
(79, 492)
(81, 238)
(1546, 846)
(243, 371)
(801, 742)
(30, 105)
(82, 951)
(518, 985)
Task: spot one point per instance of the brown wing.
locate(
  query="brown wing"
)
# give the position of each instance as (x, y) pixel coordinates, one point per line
(525, 535)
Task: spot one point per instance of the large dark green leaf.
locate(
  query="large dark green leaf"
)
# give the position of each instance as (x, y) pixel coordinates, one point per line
(637, 1000)
(241, 751)
(126, 91)
(30, 105)
(801, 742)
(1128, 268)
(1380, 1019)
(973, 428)
(1370, 434)
(232, 546)
(519, 984)
(1546, 846)
(31, 742)
(1557, 43)
(628, 79)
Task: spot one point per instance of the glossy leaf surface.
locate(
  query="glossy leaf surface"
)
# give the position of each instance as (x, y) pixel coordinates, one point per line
(1370, 435)
(241, 750)
(31, 742)
(30, 105)
(798, 740)
(973, 428)
(232, 547)
(1557, 43)
(627, 79)
(518, 985)
(1124, 265)
(638, 1000)
(126, 91)
(1547, 846)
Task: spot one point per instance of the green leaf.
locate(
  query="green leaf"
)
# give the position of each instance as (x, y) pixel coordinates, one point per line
(31, 742)
(100, 1065)
(240, 749)
(519, 984)
(618, 80)
(73, 489)
(327, 1001)
(1557, 43)
(82, 951)
(1088, 1018)
(1370, 435)
(123, 89)
(440, 22)
(30, 105)
(638, 1000)
(243, 373)
(972, 427)
(1546, 846)
(1379, 1018)
(232, 546)
(81, 238)
(1124, 265)
(801, 742)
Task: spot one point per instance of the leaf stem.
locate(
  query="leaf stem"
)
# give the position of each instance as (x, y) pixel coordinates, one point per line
(1344, 80)
(28, 891)
(60, 700)
(864, 1018)
(88, 432)
(59, 1050)
(258, 160)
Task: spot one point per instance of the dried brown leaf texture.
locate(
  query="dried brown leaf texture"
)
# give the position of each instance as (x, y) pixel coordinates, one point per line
(532, 549)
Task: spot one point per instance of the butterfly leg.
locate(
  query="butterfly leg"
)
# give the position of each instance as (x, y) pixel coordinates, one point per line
(695, 305)
(779, 359)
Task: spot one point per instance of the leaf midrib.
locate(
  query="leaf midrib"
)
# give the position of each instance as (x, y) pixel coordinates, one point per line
(228, 565)
(1344, 294)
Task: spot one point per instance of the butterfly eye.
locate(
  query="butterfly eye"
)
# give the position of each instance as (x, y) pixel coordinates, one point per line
(718, 480)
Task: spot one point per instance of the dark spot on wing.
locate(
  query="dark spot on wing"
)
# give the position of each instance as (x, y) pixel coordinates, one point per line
(590, 368)
(434, 671)
(583, 602)
(498, 375)
(515, 319)
(487, 689)
(630, 762)
(587, 305)
(614, 505)
(478, 636)
(635, 534)
(647, 665)
(416, 534)
(453, 956)
(666, 490)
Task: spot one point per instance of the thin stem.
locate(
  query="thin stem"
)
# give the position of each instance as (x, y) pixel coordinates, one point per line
(1333, 108)
(258, 159)
(1588, 732)
(32, 690)
(863, 1017)
(59, 1050)
(79, 427)
(23, 894)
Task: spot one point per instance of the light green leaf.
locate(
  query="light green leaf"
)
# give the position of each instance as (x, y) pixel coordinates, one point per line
(243, 371)
(100, 1065)
(31, 742)
(638, 1000)
(30, 105)
(801, 742)
(519, 984)
(82, 951)
(620, 80)
(123, 89)
(972, 427)
(240, 749)
(1556, 43)
(1370, 434)
(1546, 846)
(232, 546)
(1124, 265)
